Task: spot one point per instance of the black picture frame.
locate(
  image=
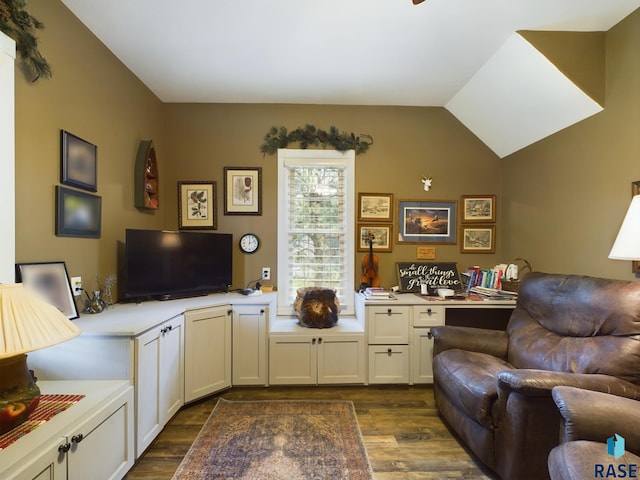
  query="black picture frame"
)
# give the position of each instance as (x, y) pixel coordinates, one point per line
(51, 280)
(78, 214)
(197, 206)
(78, 162)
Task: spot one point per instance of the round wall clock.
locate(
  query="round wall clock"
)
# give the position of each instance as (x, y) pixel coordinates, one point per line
(249, 243)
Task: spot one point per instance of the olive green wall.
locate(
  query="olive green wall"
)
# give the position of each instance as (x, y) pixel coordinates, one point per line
(408, 143)
(564, 197)
(94, 97)
(560, 201)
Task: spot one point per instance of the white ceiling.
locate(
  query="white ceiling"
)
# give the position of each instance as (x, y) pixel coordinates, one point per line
(351, 52)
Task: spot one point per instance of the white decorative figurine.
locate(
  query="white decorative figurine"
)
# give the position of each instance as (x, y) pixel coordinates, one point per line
(427, 182)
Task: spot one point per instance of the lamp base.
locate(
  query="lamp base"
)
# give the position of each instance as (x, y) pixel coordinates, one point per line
(19, 394)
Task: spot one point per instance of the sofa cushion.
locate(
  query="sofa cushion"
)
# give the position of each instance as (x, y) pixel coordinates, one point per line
(470, 381)
(577, 460)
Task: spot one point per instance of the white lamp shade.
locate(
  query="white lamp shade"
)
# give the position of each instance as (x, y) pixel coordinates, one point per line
(627, 244)
(28, 322)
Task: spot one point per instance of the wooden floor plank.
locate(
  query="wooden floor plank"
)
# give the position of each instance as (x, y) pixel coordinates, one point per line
(404, 436)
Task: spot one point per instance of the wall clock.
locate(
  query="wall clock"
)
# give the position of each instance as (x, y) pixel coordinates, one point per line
(249, 243)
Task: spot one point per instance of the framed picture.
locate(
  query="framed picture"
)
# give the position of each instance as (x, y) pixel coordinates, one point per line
(197, 205)
(478, 238)
(426, 221)
(375, 207)
(78, 162)
(243, 191)
(381, 239)
(478, 208)
(78, 214)
(51, 280)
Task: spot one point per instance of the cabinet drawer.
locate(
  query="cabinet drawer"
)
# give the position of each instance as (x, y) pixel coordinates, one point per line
(388, 364)
(388, 325)
(428, 316)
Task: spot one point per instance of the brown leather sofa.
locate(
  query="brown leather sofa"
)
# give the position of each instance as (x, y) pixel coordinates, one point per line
(588, 420)
(494, 387)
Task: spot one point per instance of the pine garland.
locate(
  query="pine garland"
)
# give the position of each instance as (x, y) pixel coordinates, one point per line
(18, 24)
(277, 137)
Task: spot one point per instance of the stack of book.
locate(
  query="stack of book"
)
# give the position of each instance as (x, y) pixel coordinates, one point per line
(494, 294)
(376, 293)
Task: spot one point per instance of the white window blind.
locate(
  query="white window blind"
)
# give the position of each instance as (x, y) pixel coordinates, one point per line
(315, 224)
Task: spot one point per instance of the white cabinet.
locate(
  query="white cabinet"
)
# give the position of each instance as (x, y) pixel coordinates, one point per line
(388, 336)
(424, 317)
(307, 356)
(159, 379)
(250, 344)
(91, 439)
(207, 357)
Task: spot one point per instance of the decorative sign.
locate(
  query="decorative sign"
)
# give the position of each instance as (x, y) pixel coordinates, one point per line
(426, 253)
(434, 275)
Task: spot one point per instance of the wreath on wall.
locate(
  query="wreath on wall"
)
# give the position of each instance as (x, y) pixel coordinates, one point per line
(278, 137)
(18, 24)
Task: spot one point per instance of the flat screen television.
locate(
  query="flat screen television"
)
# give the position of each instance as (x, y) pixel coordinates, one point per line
(163, 265)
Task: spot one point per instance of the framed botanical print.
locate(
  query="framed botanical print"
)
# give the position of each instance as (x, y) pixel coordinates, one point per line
(478, 209)
(197, 205)
(243, 191)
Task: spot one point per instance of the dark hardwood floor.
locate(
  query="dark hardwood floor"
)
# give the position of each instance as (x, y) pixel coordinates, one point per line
(403, 434)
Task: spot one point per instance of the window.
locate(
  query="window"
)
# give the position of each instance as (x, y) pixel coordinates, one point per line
(315, 224)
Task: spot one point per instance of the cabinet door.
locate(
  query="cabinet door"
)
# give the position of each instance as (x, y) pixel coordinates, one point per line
(171, 396)
(149, 420)
(388, 325)
(46, 463)
(102, 446)
(249, 345)
(292, 360)
(389, 364)
(422, 356)
(207, 363)
(341, 359)
(159, 379)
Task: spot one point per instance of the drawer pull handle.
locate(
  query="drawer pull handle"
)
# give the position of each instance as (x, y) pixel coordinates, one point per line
(64, 448)
(77, 438)
(313, 341)
(429, 334)
(429, 311)
(319, 341)
(262, 311)
(229, 312)
(389, 311)
(389, 352)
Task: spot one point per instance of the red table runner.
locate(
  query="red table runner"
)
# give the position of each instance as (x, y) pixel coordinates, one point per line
(50, 405)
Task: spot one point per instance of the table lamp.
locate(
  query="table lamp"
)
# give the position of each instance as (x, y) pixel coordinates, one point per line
(627, 244)
(27, 323)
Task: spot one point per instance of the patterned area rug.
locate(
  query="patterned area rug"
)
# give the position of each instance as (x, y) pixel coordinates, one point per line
(278, 440)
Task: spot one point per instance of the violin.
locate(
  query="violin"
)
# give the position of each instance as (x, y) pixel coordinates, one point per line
(370, 265)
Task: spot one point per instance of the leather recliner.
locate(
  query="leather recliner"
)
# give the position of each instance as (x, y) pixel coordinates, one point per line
(493, 388)
(589, 419)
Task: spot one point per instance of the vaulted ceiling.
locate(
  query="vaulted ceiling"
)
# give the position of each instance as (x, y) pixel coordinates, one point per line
(456, 54)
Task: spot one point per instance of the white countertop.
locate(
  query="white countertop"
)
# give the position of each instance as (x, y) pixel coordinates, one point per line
(130, 319)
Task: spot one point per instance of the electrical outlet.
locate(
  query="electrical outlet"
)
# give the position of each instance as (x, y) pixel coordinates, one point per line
(76, 286)
(266, 273)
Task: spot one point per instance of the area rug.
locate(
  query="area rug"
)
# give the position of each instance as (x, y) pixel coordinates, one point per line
(283, 439)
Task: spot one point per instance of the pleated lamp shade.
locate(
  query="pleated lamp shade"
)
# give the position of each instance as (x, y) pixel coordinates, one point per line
(627, 244)
(28, 322)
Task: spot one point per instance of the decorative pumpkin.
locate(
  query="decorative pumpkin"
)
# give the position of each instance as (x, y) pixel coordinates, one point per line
(317, 307)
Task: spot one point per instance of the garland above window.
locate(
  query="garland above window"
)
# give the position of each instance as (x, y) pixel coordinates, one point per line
(310, 135)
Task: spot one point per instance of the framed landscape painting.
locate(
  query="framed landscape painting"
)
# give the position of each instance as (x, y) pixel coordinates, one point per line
(478, 209)
(375, 207)
(478, 239)
(422, 221)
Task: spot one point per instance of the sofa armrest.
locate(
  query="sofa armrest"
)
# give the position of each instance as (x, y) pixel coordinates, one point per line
(492, 342)
(596, 416)
(541, 382)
